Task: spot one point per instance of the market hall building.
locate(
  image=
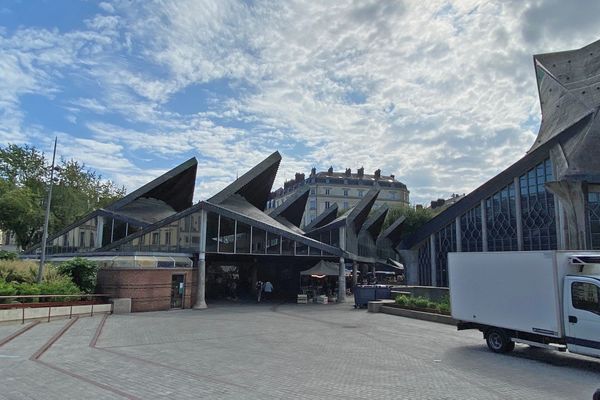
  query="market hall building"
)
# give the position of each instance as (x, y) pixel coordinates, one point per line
(159, 249)
(548, 200)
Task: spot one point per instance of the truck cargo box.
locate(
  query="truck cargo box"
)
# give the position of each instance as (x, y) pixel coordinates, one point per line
(513, 290)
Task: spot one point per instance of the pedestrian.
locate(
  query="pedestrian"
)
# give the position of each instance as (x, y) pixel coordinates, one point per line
(268, 290)
(259, 290)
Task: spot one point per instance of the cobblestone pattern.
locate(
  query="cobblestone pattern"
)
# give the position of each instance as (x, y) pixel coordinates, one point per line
(290, 351)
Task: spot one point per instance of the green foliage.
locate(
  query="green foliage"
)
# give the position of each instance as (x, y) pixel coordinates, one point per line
(24, 178)
(415, 218)
(63, 285)
(402, 300)
(19, 278)
(7, 289)
(424, 303)
(7, 255)
(21, 212)
(83, 273)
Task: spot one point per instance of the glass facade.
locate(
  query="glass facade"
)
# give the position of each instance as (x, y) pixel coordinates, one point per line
(470, 230)
(223, 235)
(538, 221)
(593, 207)
(425, 264)
(445, 242)
(537, 209)
(79, 239)
(502, 220)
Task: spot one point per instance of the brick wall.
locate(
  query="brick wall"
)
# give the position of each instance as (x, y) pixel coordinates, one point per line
(149, 289)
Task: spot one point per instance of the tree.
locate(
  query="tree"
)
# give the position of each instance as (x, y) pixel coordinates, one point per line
(415, 218)
(83, 273)
(24, 179)
(23, 166)
(21, 212)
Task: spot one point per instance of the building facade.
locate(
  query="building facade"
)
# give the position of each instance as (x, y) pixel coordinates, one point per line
(344, 189)
(549, 199)
(8, 242)
(159, 249)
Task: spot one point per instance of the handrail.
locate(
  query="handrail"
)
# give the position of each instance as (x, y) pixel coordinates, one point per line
(35, 296)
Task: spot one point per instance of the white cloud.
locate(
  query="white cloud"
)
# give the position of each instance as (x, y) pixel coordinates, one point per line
(440, 93)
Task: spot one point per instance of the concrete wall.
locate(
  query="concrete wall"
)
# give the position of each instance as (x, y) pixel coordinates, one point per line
(18, 314)
(431, 292)
(148, 289)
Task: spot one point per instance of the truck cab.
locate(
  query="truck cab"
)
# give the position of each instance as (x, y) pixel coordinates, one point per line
(581, 310)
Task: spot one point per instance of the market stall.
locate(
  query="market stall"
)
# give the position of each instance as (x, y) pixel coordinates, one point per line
(320, 280)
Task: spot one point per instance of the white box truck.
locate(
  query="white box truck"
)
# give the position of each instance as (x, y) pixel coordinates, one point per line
(545, 299)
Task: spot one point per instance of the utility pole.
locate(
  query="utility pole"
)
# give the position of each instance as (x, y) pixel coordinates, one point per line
(46, 218)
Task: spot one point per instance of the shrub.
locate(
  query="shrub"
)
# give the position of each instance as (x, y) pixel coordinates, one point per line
(28, 289)
(402, 300)
(7, 255)
(6, 289)
(421, 302)
(62, 285)
(83, 273)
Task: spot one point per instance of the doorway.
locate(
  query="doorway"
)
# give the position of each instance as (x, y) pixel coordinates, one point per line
(177, 290)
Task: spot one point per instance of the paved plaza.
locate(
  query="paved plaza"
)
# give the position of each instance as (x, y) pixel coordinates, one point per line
(277, 352)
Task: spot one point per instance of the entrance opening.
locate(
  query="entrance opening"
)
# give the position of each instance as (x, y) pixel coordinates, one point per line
(177, 290)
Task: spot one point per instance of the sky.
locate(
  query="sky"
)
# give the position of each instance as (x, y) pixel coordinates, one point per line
(441, 94)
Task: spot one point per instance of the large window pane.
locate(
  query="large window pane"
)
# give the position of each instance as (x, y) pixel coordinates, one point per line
(273, 243)
(287, 246)
(301, 249)
(258, 241)
(226, 235)
(593, 208)
(242, 241)
(212, 226)
(195, 230)
(537, 209)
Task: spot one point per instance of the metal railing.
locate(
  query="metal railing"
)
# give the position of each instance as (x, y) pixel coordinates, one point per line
(91, 301)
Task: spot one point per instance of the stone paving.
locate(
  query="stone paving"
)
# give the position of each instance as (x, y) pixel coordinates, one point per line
(273, 352)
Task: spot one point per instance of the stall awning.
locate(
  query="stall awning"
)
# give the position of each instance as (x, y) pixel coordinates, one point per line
(390, 266)
(323, 268)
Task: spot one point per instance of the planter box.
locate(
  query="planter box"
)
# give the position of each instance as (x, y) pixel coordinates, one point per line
(427, 310)
(424, 316)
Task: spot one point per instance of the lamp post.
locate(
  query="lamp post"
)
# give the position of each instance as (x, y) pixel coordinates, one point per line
(46, 218)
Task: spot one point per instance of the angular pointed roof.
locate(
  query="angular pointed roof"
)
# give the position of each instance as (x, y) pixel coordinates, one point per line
(568, 87)
(360, 212)
(326, 217)
(255, 185)
(293, 208)
(174, 188)
(375, 222)
(394, 231)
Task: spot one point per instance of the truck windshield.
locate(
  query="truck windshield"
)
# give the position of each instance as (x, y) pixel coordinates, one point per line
(585, 296)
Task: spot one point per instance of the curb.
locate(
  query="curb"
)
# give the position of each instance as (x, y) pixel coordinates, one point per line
(424, 316)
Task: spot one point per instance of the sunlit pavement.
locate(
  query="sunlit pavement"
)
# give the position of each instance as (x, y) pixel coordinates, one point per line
(232, 351)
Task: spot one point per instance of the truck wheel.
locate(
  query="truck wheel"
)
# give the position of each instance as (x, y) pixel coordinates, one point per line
(498, 341)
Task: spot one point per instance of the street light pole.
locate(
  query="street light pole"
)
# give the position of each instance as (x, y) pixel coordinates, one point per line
(46, 218)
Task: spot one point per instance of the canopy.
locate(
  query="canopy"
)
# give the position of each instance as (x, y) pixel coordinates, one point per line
(323, 268)
(390, 265)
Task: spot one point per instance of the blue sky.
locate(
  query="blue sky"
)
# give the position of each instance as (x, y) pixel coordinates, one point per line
(440, 93)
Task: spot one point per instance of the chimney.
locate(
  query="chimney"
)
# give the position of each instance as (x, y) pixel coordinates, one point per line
(299, 177)
(361, 172)
(377, 173)
(313, 171)
(393, 176)
(330, 171)
(348, 172)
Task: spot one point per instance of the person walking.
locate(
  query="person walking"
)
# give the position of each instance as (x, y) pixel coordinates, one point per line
(259, 290)
(268, 290)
